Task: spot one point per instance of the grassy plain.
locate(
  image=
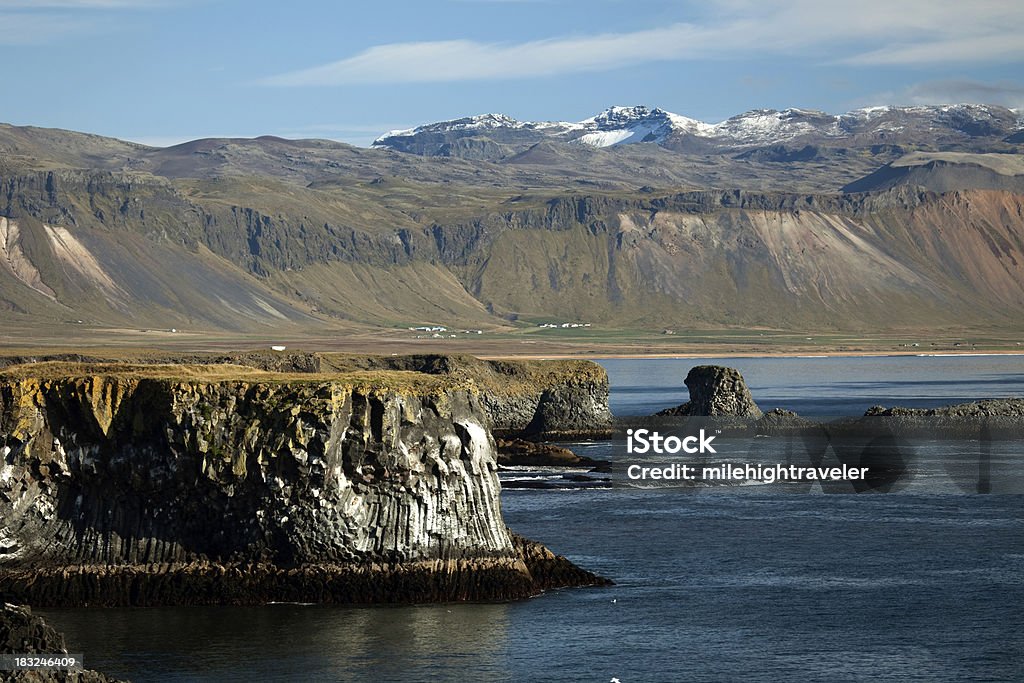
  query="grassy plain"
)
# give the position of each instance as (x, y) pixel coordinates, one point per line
(524, 341)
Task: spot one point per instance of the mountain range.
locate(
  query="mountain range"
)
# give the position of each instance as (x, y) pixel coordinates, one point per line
(949, 127)
(633, 220)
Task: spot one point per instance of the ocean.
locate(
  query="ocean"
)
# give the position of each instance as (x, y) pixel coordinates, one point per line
(748, 583)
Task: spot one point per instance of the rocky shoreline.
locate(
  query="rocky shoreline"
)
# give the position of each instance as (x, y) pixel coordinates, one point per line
(154, 484)
(532, 571)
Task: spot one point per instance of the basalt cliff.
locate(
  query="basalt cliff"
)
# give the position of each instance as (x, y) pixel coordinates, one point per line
(201, 484)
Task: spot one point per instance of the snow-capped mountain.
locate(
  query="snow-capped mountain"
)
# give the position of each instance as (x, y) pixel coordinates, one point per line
(497, 135)
(619, 125)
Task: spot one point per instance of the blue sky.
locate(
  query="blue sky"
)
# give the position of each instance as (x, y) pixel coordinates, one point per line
(164, 71)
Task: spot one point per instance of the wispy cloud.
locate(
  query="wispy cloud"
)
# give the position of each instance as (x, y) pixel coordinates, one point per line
(34, 22)
(460, 60)
(1007, 46)
(954, 90)
(871, 32)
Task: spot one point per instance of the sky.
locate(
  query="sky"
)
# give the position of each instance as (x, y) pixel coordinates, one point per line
(165, 71)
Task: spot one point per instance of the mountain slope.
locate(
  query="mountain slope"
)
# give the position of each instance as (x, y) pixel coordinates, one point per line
(947, 171)
(270, 234)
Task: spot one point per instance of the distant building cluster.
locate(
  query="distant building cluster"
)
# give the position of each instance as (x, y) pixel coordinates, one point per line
(439, 332)
(567, 325)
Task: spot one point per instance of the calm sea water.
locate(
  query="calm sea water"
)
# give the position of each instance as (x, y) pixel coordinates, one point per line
(735, 584)
(822, 385)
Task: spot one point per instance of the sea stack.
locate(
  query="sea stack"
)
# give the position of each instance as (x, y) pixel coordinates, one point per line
(716, 391)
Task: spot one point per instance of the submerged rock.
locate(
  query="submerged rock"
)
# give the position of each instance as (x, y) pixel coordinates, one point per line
(716, 391)
(513, 452)
(144, 485)
(522, 452)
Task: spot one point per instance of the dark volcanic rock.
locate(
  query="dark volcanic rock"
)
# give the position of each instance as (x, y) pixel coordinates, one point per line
(545, 399)
(145, 485)
(24, 634)
(780, 418)
(570, 411)
(534, 454)
(997, 407)
(1004, 417)
(552, 571)
(522, 452)
(716, 391)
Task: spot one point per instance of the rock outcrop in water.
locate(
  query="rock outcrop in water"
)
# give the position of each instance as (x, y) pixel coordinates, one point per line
(22, 633)
(534, 454)
(154, 484)
(716, 391)
(996, 418)
(990, 408)
(534, 399)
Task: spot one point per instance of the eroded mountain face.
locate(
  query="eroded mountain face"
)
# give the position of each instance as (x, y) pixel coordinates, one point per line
(272, 234)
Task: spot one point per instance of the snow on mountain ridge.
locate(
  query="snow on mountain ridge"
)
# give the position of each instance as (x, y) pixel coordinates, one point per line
(762, 126)
(630, 124)
(480, 121)
(618, 125)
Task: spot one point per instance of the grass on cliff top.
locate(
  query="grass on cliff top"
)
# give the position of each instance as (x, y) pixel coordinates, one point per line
(392, 380)
(493, 376)
(429, 370)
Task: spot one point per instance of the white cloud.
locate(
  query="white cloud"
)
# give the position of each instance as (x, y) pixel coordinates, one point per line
(868, 32)
(459, 60)
(1005, 47)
